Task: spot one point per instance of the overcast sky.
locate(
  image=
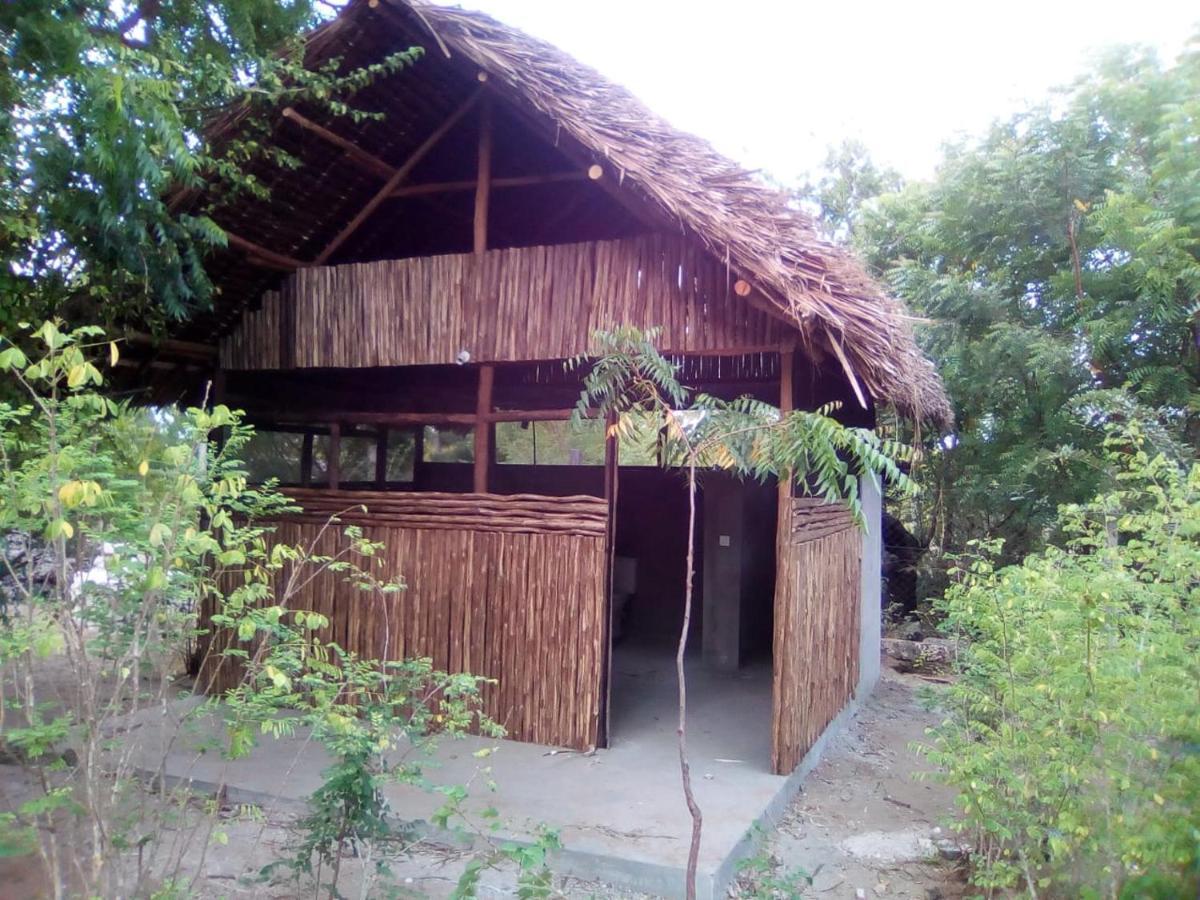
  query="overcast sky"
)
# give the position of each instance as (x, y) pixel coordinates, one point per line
(773, 83)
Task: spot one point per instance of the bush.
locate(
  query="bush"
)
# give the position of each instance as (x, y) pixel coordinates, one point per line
(136, 518)
(1073, 733)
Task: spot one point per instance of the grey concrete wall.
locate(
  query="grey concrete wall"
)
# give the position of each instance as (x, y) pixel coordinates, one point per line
(872, 553)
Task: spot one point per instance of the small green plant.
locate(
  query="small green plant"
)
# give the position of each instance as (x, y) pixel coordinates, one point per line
(763, 877)
(1072, 731)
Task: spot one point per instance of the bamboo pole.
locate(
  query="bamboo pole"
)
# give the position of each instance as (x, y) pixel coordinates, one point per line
(397, 177)
(263, 256)
(362, 158)
(446, 187)
(483, 428)
(335, 449)
(483, 178)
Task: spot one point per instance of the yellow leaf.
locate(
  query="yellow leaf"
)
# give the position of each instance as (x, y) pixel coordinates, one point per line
(1159, 800)
(113, 355)
(143, 467)
(76, 376)
(1080, 205)
(68, 493)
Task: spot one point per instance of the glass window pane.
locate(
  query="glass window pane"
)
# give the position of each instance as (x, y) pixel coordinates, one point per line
(356, 459)
(449, 445)
(401, 454)
(639, 441)
(551, 443)
(274, 454)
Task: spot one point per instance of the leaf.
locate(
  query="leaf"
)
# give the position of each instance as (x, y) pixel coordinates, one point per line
(144, 467)
(113, 354)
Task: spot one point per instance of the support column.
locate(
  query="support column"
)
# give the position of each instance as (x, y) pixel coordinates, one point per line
(483, 428)
(335, 450)
(483, 182)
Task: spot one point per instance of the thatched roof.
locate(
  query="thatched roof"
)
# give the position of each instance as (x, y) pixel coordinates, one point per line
(674, 177)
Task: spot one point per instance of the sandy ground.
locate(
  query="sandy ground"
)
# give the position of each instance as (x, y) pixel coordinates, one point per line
(866, 823)
(863, 827)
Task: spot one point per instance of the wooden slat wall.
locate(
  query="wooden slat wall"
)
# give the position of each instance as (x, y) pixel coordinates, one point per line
(506, 600)
(817, 611)
(523, 303)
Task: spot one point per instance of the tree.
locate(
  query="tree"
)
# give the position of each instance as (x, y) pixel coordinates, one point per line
(102, 106)
(1057, 263)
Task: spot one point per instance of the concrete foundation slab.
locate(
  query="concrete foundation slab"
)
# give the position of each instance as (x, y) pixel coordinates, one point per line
(619, 811)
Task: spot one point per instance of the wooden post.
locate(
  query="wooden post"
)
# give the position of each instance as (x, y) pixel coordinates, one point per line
(306, 459)
(335, 449)
(783, 529)
(381, 451)
(483, 178)
(418, 457)
(612, 461)
(483, 428)
(216, 396)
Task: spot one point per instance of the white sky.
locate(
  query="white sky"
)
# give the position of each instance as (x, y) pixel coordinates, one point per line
(774, 83)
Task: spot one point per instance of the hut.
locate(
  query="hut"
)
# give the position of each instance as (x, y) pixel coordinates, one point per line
(393, 318)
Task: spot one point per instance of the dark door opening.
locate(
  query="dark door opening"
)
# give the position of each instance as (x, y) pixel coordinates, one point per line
(728, 662)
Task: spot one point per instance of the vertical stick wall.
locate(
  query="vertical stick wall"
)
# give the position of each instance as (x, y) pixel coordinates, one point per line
(817, 624)
(509, 587)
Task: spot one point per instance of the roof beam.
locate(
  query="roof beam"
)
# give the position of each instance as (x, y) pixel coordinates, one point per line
(360, 157)
(397, 177)
(263, 256)
(449, 187)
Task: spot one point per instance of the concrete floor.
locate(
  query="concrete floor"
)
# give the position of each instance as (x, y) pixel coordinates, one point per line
(620, 811)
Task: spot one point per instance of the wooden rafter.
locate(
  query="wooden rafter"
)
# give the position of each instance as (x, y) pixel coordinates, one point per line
(397, 178)
(483, 177)
(449, 187)
(362, 158)
(263, 256)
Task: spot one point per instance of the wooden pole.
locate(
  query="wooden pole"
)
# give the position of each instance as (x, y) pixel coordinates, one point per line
(381, 451)
(335, 450)
(483, 428)
(612, 451)
(263, 256)
(483, 178)
(306, 459)
(783, 527)
(362, 158)
(397, 177)
(448, 187)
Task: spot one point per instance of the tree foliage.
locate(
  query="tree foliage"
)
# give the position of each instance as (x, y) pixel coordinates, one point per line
(102, 103)
(1056, 261)
(1072, 733)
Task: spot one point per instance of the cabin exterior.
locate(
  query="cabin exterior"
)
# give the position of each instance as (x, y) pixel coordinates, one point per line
(395, 319)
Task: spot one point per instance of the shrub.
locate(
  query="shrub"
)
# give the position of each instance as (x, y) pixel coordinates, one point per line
(1073, 733)
(138, 518)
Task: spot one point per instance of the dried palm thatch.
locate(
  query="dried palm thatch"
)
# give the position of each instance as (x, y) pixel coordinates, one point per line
(673, 178)
(819, 286)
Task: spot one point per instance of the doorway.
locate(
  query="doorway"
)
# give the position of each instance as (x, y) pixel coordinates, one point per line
(728, 660)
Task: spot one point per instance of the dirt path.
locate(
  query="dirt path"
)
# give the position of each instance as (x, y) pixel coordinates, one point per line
(865, 823)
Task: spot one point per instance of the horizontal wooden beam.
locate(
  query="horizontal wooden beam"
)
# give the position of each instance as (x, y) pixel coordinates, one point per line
(448, 187)
(172, 346)
(362, 158)
(410, 419)
(263, 256)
